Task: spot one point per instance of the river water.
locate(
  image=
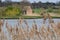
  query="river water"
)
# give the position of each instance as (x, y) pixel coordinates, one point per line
(30, 21)
(39, 22)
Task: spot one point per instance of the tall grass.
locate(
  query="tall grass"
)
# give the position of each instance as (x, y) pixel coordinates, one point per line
(52, 32)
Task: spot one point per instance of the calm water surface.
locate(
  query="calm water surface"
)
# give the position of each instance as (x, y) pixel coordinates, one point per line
(39, 22)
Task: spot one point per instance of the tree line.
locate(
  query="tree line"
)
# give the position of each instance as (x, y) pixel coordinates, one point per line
(33, 5)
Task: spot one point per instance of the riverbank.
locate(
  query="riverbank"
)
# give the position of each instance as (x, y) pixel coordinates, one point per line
(25, 17)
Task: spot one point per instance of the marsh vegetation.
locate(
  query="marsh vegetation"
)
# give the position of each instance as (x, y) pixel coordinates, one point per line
(22, 30)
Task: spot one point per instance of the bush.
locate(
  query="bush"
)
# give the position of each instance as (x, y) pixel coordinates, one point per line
(50, 10)
(12, 11)
(36, 10)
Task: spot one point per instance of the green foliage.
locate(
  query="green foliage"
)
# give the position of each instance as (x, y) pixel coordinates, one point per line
(49, 10)
(57, 11)
(53, 10)
(2, 11)
(12, 11)
(36, 10)
(9, 8)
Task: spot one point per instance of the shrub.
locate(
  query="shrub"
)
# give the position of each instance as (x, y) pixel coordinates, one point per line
(12, 11)
(50, 10)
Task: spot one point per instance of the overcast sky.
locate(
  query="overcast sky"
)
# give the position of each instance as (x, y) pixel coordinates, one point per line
(40, 0)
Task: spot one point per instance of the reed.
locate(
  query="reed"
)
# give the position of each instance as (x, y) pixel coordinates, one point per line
(52, 32)
(2, 34)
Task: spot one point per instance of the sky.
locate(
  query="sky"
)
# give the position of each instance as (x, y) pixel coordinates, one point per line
(39, 0)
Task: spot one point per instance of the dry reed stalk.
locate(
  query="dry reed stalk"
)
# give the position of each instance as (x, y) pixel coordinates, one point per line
(50, 18)
(35, 25)
(58, 28)
(22, 32)
(9, 30)
(0, 29)
(21, 20)
(58, 25)
(44, 15)
(54, 29)
(53, 33)
(41, 37)
(2, 36)
(35, 31)
(47, 16)
(44, 33)
(50, 33)
(27, 26)
(31, 33)
(14, 33)
(1, 23)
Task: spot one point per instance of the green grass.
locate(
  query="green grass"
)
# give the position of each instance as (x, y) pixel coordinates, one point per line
(25, 17)
(37, 10)
(50, 10)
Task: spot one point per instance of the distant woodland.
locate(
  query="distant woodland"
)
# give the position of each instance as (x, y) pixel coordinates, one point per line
(33, 5)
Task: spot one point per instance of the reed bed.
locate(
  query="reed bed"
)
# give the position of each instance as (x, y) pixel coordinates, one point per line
(18, 32)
